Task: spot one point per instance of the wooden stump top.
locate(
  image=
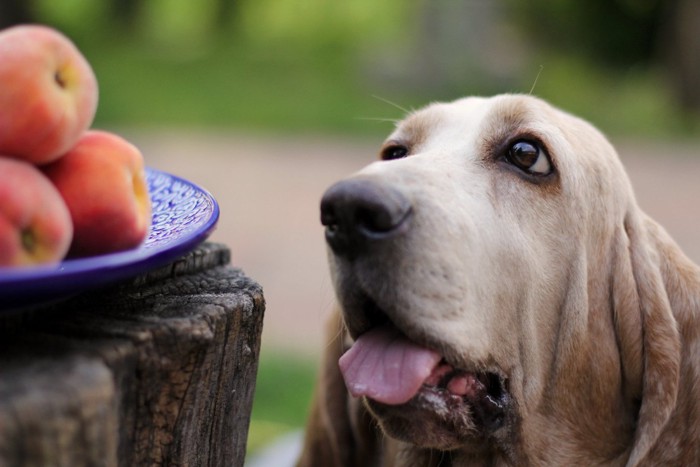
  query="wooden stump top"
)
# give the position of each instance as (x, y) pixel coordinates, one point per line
(157, 371)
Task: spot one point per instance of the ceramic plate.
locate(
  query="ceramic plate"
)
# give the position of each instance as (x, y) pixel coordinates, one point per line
(183, 216)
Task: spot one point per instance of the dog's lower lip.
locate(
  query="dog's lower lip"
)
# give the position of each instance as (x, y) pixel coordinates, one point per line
(484, 393)
(491, 412)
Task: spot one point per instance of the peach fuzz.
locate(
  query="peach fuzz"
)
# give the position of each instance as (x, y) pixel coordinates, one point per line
(102, 180)
(35, 225)
(48, 95)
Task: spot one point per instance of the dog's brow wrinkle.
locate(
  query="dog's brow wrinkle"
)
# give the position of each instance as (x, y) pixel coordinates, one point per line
(418, 127)
(502, 122)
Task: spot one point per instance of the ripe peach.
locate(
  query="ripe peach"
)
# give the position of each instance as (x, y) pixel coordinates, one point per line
(102, 180)
(35, 225)
(48, 94)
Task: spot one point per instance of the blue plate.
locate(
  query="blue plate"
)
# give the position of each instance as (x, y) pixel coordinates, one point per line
(183, 216)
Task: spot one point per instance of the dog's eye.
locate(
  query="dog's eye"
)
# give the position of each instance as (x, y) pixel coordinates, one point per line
(394, 151)
(529, 157)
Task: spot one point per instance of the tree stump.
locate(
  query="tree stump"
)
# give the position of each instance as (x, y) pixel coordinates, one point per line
(159, 371)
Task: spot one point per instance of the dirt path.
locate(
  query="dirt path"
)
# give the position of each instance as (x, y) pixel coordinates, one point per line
(269, 190)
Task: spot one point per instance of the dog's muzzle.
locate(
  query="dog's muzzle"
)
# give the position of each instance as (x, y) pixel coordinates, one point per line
(358, 213)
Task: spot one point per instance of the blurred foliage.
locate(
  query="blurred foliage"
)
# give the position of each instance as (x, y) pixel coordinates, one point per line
(282, 397)
(617, 33)
(284, 65)
(323, 65)
(661, 36)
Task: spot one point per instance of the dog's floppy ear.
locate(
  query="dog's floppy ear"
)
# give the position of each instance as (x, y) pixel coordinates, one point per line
(339, 430)
(647, 331)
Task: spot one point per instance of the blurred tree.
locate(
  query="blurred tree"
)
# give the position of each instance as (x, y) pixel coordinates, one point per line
(15, 12)
(623, 33)
(616, 33)
(126, 13)
(681, 51)
(225, 14)
(455, 47)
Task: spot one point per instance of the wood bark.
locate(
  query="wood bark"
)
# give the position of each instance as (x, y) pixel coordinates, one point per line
(159, 371)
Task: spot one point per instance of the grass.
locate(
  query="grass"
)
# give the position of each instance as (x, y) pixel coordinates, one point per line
(304, 66)
(283, 393)
(245, 86)
(266, 87)
(631, 102)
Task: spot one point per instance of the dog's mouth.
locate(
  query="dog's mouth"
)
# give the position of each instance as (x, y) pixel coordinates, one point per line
(398, 375)
(484, 393)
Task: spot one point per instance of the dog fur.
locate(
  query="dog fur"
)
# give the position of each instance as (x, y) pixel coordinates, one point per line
(555, 281)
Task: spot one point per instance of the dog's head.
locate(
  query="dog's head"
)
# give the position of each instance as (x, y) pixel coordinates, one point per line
(467, 262)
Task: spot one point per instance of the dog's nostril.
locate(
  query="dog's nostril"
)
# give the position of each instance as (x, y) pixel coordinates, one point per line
(328, 218)
(358, 211)
(374, 219)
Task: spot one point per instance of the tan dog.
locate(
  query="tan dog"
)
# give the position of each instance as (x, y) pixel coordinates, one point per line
(505, 302)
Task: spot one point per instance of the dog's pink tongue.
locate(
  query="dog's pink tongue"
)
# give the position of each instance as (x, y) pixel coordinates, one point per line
(385, 366)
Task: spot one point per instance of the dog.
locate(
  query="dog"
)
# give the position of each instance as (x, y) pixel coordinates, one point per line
(503, 301)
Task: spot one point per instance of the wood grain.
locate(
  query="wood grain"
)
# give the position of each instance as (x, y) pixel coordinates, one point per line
(159, 371)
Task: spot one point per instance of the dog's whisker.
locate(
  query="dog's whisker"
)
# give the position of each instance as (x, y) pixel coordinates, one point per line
(337, 336)
(379, 119)
(393, 104)
(532, 89)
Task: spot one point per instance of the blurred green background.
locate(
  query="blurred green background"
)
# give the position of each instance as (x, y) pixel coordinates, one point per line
(321, 65)
(291, 67)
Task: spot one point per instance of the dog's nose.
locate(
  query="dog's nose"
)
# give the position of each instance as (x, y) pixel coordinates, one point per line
(358, 212)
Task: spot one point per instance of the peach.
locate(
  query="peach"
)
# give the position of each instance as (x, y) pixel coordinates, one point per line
(35, 225)
(102, 180)
(48, 95)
